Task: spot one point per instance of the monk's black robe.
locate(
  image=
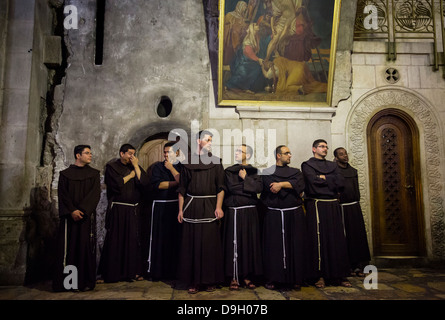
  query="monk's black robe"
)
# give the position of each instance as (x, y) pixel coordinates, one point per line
(328, 257)
(242, 249)
(201, 256)
(165, 230)
(78, 189)
(354, 225)
(284, 227)
(121, 255)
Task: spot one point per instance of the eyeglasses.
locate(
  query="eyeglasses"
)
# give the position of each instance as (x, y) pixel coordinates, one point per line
(287, 153)
(323, 147)
(239, 150)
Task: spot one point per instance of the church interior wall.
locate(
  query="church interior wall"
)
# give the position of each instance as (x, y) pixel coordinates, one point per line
(24, 87)
(154, 49)
(418, 92)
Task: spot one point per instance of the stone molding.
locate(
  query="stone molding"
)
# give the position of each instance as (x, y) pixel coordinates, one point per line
(432, 153)
(286, 112)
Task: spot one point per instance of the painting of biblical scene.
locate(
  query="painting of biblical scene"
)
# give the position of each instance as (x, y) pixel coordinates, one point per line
(275, 51)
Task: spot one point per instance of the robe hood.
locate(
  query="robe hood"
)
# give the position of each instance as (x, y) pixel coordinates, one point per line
(237, 167)
(322, 166)
(74, 172)
(119, 167)
(205, 162)
(280, 171)
(348, 172)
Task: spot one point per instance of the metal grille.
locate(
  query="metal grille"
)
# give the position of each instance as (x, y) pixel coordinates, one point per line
(391, 183)
(401, 20)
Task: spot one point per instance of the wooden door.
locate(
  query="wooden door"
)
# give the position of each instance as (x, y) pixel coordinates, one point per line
(395, 181)
(152, 152)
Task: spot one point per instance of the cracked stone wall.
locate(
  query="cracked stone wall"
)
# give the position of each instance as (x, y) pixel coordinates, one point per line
(115, 102)
(48, 108)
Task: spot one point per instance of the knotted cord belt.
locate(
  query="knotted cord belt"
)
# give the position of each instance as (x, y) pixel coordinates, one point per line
(124, 204)
(235, 240)
(203, 220)
(151, 228)
(343, 213)
(318, 226)
(283, 229)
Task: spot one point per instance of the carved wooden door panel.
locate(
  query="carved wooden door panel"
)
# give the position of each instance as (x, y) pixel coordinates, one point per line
(396, 197)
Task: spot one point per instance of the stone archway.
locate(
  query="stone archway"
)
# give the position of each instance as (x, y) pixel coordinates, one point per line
(431, 147)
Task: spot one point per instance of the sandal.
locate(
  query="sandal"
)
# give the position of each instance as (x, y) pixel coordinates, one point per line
(320, 284)
(248, 284)
(211, 288)
(345, 283)
(234, 285)
(269, 286)
(192, 290)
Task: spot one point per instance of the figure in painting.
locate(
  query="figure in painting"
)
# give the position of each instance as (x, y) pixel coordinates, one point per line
(246, 73)
(276, 51)
(235, 29)
(289, 68)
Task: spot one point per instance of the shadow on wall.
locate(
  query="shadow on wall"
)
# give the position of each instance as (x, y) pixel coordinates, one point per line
(41, 236)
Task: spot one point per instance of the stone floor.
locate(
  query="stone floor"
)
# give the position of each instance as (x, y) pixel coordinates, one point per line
(400, 292)
(392, 284)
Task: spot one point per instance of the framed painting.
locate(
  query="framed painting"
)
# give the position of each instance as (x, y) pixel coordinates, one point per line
(277, 52)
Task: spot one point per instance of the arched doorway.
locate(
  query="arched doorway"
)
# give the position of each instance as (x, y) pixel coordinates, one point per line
(395, 184)
(152, 152)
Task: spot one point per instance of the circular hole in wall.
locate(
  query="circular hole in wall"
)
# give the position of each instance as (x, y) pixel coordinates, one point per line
(164, 107)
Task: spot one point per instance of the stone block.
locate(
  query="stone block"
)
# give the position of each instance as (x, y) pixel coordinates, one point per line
(18, 70)
(21, 10)
(13, 187)
(363, 77)
(300, 136)
(52, 51)
(20, 36)
(413, 77)
(12, 248)
(15, 110)
(358, 59)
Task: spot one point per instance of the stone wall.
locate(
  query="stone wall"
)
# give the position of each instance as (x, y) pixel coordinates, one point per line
(418, 92)
(152, 49)
(24, 83)
(54, 95)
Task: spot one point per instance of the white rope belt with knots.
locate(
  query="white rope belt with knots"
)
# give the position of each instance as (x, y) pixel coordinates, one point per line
(283, 229)
(124, 204)
(343, 213)
(235, 240)
(318, 226)
(151, 228)
(204, 220)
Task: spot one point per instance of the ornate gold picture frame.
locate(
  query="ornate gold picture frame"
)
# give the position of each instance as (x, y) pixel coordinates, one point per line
(277, 52)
